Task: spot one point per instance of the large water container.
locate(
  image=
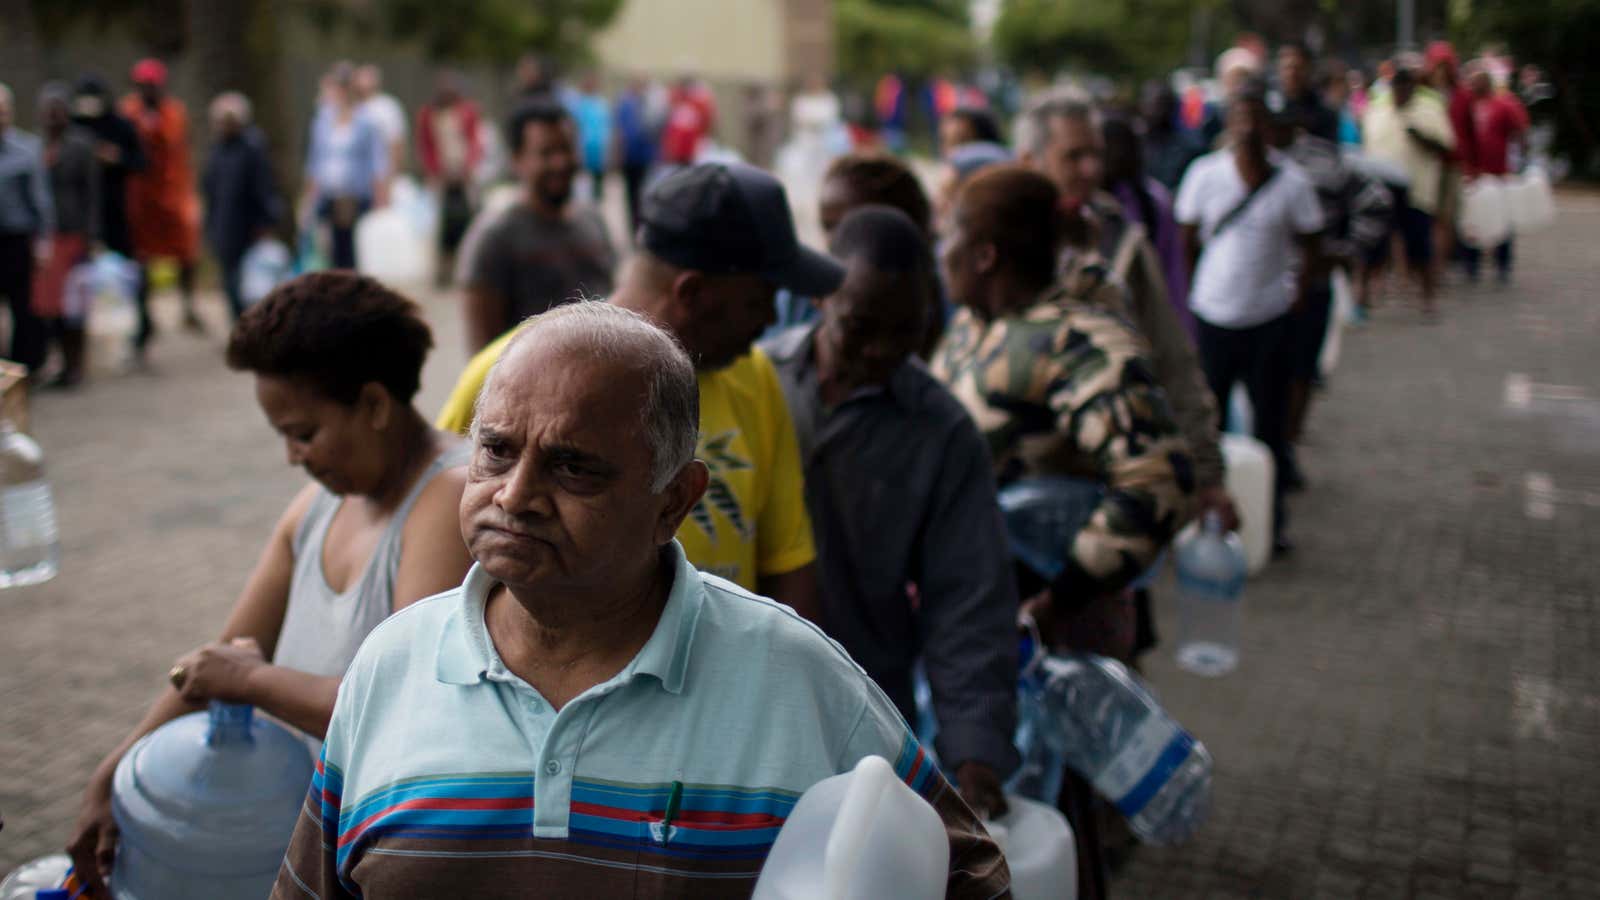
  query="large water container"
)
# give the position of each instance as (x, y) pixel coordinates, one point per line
(389, 248)
(1485, 219)
(1110, 730)
(1529, 201)
(862, 835)
(37, 875)
(1249, 482)
(1039, 849)
(1211, 574)
(266, 265)
(206, 804)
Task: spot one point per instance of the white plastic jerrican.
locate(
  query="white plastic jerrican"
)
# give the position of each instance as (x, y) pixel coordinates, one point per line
(1485, 220)
(862, 835)
(391, 244)
(1039, 849)
(265, 265)
(1529, 202)
(1249, 482)
(40, 874)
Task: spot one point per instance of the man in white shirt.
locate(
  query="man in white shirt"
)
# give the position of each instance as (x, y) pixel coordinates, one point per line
(385, 111)
(1251, 224)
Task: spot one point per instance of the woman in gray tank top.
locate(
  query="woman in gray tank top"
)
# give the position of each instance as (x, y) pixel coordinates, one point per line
(337, 359)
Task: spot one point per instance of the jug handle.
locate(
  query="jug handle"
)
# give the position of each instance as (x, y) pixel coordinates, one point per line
(842, 854)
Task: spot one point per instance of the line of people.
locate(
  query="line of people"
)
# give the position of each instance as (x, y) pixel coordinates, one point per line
(637, 469)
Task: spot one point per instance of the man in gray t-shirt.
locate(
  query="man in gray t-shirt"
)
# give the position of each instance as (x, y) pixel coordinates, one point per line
(541, 252)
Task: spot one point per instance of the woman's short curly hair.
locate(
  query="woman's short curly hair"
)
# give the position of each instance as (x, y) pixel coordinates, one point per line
(338, 331)
(882, 179)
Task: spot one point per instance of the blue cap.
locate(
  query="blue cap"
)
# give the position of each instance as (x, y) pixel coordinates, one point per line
(53, 894)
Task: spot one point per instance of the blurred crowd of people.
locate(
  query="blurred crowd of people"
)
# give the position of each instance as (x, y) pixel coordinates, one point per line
(1079, 301)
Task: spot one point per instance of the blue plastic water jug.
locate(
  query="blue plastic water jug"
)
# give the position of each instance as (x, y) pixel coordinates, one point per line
(206, 805)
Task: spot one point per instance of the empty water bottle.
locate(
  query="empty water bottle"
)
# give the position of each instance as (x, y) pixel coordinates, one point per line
(35, 878)
(30, 549)
(1108, 728)
(1211, 575)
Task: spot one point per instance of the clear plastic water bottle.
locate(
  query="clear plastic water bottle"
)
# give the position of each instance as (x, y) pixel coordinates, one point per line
(1109, 729)
(30, 549)
(1211, 575)
(35, 878)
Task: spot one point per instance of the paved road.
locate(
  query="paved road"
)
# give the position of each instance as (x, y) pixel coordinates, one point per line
(1417, 705)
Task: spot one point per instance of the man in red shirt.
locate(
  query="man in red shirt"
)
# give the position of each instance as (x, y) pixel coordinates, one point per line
(1498, 120)
(690, 118)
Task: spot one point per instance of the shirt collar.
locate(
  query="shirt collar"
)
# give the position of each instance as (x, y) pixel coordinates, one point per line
(466, 654)
(791, 351)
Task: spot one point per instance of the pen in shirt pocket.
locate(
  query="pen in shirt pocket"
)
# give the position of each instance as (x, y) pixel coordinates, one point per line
(662, 831)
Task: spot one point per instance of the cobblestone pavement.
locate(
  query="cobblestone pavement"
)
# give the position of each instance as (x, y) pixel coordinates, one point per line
(1417, 705)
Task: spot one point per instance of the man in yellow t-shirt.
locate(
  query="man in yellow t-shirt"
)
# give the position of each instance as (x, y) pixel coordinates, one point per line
(715, 242)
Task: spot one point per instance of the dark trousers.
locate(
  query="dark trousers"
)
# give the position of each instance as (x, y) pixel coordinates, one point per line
(1262, 357)
(1472, 258)
(28, 339)
(633, 180)
(341, 214)
(231, 274)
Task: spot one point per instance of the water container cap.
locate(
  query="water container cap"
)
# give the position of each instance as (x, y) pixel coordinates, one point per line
(53, 894)
(213, 788)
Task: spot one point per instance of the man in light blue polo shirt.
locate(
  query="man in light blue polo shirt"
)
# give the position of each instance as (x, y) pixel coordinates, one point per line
(587, 715)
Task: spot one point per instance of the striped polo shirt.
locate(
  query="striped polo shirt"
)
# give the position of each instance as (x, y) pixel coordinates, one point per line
(445, 775)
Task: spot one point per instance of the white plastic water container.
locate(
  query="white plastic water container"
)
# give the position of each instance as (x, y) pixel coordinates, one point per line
(1211, 574)
(862, 835)
(1485, 218)
(265, 265)
(1529, 202)
(1249, 482)
(389, 248)
(112, 285)
(205, 805)
(1039, 849)
(34, 876)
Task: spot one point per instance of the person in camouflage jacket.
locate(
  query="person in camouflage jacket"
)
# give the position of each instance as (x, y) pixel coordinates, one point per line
(1057, 384)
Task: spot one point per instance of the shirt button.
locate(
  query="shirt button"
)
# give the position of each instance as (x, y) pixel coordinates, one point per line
(553, 767)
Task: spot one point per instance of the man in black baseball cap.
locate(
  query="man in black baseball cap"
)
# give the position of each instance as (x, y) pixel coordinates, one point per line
(715, 243)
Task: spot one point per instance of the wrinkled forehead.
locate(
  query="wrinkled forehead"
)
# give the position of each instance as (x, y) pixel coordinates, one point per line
(552, 386)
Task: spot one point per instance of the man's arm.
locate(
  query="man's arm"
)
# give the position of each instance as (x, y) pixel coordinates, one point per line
(785, 552)
(311, 864)
(796, 588)
(1177, 367)
(968, 619)
(1115, 413)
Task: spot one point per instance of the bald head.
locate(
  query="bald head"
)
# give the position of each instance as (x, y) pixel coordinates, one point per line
(618, 345)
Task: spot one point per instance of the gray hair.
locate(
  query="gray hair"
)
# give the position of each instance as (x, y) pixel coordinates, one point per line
(1031, 133)
(599, 330)
(234, 102)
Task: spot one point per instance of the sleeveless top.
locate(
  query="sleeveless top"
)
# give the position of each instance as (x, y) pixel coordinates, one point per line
(322, 628)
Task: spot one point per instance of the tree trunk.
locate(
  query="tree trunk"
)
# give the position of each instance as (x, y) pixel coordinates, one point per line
(24, 58)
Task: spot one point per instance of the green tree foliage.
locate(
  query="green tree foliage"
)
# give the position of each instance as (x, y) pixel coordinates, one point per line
(1117, 37)
(493, 31)
(914, 39)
